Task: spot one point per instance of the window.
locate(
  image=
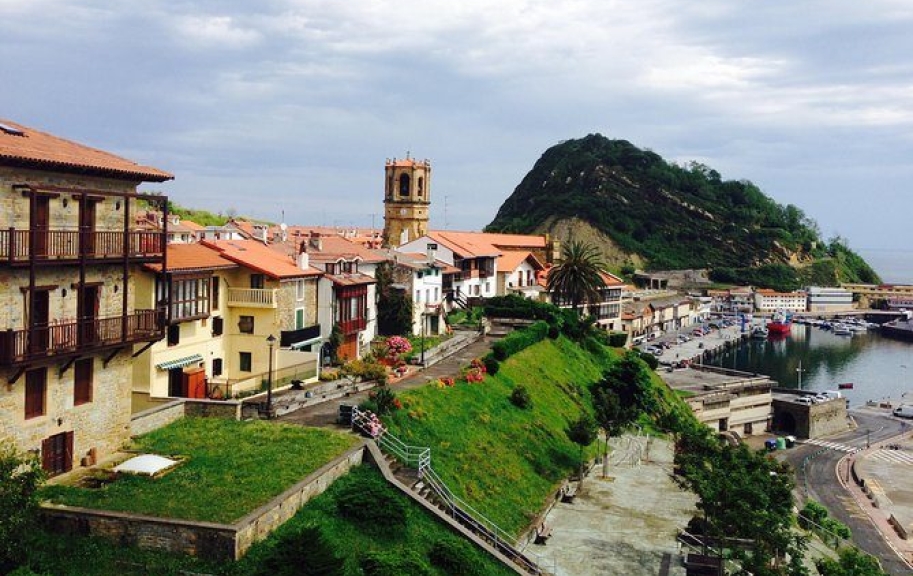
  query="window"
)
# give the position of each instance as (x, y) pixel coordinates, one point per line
(215, 292)
(299, 318)
(189, 298)
(299, 289)
(404, 185)
(246, 324)
(35, 385)
(218, 325)
(257, 281)
(82, 381)
(216, 366)
(174, 334)
(244, 359)
(331, 268)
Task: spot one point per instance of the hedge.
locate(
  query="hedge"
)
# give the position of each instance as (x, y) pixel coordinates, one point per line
(519, 339)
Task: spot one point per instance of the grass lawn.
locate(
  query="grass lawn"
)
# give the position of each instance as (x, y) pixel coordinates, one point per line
(501, 459)
(232, 468)
(406, 548)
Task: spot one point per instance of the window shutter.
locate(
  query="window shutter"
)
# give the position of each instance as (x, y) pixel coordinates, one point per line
(46, 456)
(217, 367)
(68, 453)
(217, 325)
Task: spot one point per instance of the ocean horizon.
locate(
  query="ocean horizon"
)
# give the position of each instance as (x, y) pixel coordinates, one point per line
(895, 266)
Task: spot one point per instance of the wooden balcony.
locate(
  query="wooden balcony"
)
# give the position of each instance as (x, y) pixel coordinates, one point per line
(57, 246)
(59, 340)
(252, 298)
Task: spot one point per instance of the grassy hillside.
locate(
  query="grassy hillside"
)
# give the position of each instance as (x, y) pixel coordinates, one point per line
(502, 459)
(673, 216)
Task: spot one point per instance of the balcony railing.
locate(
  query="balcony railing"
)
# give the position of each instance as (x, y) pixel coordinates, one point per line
(252, 297)
(352, 326)
(18, 246)
(69, 338)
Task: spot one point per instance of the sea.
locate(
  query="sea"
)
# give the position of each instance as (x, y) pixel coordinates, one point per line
(811, 358)
(893, 265)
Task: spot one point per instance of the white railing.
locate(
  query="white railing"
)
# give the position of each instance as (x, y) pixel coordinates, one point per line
(419, 457)
(252, 297)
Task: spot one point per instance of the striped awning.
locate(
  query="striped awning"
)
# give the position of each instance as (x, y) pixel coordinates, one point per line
(180, 362)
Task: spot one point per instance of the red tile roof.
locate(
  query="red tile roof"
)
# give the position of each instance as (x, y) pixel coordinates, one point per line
(36, 148)
(190, 257)
(511, 259)
(257, 256)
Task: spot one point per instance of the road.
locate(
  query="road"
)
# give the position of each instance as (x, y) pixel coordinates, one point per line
(824, 487)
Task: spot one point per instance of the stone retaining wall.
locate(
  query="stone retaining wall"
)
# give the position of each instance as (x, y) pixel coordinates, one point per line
(164, 414)
(212, 541)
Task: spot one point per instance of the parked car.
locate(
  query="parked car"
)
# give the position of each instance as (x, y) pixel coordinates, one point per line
(683, 338)
(697, 332)
(804, 400)
(903, 412)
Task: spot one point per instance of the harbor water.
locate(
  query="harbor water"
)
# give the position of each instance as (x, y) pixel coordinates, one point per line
(812, 358)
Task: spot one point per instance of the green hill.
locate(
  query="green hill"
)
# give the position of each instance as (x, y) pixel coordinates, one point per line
(645, 211)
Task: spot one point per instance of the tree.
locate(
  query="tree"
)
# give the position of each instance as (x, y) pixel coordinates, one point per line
(394, 306)
(852, 562)
(303, 553)
(582, 432)
(578, 278)
(20, 477)
(611, 418)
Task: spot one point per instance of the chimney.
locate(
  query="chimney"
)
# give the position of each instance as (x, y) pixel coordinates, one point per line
(304, 259)
(432, 252)
(315, 241)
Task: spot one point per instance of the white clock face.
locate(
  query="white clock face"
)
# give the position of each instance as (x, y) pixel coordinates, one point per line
(402, 211)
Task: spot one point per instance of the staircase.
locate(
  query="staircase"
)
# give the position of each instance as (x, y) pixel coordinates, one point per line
(425, 482)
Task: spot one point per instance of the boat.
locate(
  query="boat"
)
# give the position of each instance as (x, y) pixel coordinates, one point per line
(780, 323)
(841, 329)
(845, 386)
(759, 332)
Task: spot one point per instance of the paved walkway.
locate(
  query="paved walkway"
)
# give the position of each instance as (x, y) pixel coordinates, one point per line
(324, 414)
(626, 523)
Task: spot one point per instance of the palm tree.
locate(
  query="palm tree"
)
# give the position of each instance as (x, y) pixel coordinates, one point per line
(578, 278)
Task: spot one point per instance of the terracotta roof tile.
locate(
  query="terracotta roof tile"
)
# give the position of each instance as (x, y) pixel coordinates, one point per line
(511, 259)
(189, 257)
(257, 256)
(52, 152)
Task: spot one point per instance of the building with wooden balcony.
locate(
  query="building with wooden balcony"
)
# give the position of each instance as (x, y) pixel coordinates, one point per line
(69, 319)
(421, 277)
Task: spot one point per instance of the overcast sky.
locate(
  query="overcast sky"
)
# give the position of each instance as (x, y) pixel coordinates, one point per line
(292, 105)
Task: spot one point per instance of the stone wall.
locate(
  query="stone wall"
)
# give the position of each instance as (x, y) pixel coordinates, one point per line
(154, 418)
(261, 522)
(809, 421)
(218, 542)
(227, 409)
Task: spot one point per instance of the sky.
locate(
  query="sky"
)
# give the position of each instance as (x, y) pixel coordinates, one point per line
(292, 106)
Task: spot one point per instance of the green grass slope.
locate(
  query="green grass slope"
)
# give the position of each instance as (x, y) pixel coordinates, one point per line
(501, 459)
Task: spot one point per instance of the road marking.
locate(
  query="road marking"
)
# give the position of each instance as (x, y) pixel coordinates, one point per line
(892, 456)
(833, 445)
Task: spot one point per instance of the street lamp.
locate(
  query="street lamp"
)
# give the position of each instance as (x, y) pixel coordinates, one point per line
(424, 320)
(270, 341)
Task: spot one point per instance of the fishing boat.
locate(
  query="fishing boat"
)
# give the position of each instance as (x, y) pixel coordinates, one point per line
(780, 323)
(845, 386)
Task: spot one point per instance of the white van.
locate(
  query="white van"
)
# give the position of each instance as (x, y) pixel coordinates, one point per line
(831, 394)
(904, 411)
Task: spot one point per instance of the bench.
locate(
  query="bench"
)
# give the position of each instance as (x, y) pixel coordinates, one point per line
(543, 533)
(568, 493)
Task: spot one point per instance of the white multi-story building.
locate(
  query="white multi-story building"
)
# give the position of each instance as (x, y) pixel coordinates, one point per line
(829, 299)
(767, 300)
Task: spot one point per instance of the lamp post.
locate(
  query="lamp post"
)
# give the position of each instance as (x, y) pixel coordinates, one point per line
(424, 320)
(270, 341)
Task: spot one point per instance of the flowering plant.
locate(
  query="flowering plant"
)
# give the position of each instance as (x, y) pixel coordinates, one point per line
(397, 345)
(445, 382)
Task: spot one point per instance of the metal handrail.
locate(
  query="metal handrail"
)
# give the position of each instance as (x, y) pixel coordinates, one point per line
(419, 457)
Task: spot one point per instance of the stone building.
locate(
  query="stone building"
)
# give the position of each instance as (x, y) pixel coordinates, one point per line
(407, 200)
(70, 250)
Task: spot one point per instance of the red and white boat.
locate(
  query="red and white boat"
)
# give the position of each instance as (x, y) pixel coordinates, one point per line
(780, 323)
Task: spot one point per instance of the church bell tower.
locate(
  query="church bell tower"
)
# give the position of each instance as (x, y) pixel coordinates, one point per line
(407, 198)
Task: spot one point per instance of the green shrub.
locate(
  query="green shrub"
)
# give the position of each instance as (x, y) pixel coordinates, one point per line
(618, 339)
(369, 506)
(650, 360)
(453, 557)
(305, 552)
(491, 364)
(554, 331)
(393, 563)
(519, 339)
(520, 398)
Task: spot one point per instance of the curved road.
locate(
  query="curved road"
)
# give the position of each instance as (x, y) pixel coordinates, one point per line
(824, 487)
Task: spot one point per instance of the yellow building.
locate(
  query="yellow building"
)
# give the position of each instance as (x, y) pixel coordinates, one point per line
(224, 300)
(407, 199)
(69, 319)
